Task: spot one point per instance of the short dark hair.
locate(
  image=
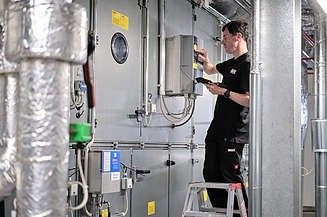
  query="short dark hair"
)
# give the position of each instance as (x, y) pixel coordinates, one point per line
(237, 26)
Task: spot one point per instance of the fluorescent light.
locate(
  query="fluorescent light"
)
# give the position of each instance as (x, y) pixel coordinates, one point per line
(323, 4)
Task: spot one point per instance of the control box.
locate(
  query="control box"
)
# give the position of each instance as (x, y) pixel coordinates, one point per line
(104, 171)
(182, 66)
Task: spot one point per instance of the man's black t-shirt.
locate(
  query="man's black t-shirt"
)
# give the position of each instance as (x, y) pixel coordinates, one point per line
(231, 120)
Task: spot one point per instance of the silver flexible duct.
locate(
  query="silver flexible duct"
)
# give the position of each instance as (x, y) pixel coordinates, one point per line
(8, 115)
(319, 124)
(255, 147)
(8, 101)
(46, 37)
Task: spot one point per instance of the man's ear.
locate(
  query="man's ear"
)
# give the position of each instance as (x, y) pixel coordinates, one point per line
(239, 36)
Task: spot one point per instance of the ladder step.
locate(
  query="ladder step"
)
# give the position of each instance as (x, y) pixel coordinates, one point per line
(217, 210)
(202, 214)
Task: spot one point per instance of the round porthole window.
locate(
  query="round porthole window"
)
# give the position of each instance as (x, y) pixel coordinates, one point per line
(119, 47)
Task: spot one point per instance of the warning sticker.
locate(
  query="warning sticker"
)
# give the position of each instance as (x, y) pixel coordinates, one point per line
(120, 20)
(151, 208)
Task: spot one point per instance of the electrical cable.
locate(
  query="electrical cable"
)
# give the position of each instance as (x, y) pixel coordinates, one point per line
(168, 115)
(126, 209)
(189, 117)
(307, 172)
(82, 184)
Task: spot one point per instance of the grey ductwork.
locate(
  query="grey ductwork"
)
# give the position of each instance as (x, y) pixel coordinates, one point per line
(319, 124)
(45, 37)
(8, 115)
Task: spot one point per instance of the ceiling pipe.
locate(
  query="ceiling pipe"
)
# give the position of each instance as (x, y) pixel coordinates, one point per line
(46, 48)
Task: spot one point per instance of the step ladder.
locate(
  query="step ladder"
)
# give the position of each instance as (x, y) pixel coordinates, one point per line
(196, 188)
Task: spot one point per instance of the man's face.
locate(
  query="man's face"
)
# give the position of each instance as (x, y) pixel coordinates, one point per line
(230, 42)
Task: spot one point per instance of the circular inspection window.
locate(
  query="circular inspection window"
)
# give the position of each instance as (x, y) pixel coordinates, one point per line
(119, 47)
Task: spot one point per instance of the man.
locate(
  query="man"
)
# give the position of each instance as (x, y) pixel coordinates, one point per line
(229, 129)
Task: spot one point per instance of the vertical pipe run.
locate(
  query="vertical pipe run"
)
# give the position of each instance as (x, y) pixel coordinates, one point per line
(8, 132)
(320, 153)
(162, 47)
(319, 124)
(255, 160)
(46, 48)
(43, 152)
(145, 55)
(8, 114)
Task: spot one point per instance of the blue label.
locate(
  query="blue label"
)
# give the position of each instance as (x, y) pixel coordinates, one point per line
(115, 161)
(110, 161)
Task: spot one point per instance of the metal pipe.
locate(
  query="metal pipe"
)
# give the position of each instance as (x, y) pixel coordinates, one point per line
(319, 124)
(162, 47)
(46, 48)
(255, 150)
(145, 55)
(214, 12)
(242, 6)
(308, 60)
(8, 116)
(308, 38)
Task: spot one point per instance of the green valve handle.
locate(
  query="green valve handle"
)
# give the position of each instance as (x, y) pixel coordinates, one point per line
(80, 132)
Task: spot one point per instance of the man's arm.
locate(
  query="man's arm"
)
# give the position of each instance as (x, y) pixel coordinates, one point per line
(242, 99)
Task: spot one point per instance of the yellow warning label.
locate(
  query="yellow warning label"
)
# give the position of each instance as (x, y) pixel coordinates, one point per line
(104, 213)
(151, 208)
(195, 66)
(120, 20)
(205, 195)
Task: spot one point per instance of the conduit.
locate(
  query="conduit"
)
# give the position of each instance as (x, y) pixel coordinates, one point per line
(319, 124)
(46, 37)
(8, 115)
(145, 56)
(255, 147)
(162, 47)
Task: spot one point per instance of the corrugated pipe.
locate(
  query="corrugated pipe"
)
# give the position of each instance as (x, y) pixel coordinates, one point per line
(319, 124)
(8, 115)
(46, 37)
(255, 147)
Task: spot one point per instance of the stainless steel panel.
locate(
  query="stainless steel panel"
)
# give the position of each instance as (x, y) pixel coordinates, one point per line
(98, 181)
(154, 186)
(116, 200)
(180, 175)
(117, 85)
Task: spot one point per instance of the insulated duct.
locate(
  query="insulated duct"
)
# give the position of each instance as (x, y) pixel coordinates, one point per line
(45, 37)
(8, 114)
(319, 124)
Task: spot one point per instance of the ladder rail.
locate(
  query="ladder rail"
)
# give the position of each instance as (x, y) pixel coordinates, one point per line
(234, 189)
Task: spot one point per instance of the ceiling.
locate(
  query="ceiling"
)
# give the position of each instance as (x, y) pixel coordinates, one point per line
(241, 10)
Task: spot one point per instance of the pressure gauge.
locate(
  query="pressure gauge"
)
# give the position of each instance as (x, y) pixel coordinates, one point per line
(119, 47)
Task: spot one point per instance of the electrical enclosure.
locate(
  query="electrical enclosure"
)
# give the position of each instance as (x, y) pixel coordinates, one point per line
(182, 66)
